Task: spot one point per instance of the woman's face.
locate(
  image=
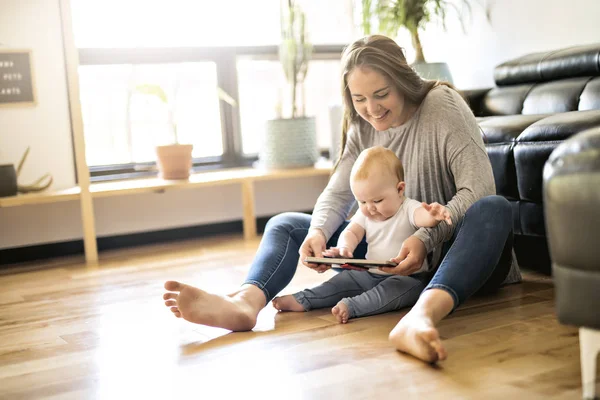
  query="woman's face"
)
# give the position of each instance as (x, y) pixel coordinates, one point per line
(375, 99)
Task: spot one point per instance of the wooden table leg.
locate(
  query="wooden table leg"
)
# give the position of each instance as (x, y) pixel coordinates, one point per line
(89, 228)
(248, 209)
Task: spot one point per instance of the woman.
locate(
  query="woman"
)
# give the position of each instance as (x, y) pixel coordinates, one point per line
(432, 130)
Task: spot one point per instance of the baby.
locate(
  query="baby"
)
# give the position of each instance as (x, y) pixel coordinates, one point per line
(387, 218)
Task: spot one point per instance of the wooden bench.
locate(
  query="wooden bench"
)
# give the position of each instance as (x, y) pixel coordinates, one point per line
(243, 176)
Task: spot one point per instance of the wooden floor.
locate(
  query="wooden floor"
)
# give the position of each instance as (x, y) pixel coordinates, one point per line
(71, 332)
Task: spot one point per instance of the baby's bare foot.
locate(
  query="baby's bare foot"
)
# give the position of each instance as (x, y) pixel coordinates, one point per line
(340, 310)
(197, 306)
(287, 303)
(417, 335)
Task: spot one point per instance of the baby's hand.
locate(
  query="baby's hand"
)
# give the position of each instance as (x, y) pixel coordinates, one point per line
(338, 252)
(438, 212)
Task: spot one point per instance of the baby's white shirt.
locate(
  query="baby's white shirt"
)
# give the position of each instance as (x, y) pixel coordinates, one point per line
(385, 238)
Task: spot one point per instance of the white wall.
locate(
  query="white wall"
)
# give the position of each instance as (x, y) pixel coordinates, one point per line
(518, 27)
(35, 24)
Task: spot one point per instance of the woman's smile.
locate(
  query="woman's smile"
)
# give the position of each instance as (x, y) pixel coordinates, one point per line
(380, 117)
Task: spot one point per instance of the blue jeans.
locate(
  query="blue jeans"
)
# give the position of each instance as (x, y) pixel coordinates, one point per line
(477, 258)
(364, 293)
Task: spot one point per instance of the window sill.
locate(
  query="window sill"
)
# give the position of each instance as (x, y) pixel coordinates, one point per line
(202, 179)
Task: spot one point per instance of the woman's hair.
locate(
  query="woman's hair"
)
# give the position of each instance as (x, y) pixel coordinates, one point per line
(383, 55)
(377, 160)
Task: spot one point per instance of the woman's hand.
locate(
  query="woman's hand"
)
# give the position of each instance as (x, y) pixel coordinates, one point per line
(410, 259)
(338, 252)
(438, 212)
(313, 246)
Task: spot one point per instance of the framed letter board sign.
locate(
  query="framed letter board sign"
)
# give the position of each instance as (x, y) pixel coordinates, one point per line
(16, 78)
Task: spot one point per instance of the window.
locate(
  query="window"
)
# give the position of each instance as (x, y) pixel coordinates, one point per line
(190, 48)
(262, 85)
(123, 126)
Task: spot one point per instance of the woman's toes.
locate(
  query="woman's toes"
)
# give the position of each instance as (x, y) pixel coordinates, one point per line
(173, 286)
(168, 296)
(170, 303)
(176, 312)
(439, 349)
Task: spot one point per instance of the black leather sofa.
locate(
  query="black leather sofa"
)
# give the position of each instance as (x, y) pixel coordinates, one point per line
(540, 100)
(572, 202)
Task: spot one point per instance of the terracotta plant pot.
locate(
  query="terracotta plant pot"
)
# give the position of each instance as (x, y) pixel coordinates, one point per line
(174, 161)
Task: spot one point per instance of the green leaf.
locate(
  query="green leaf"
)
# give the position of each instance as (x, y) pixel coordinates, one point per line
(152, 90)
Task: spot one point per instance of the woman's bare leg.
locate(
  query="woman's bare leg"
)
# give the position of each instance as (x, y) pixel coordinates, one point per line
(465, 269)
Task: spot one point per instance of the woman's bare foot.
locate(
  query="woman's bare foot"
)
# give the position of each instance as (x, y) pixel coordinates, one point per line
(341, 313)
(236, 312)
(287, 303)
(417, 335)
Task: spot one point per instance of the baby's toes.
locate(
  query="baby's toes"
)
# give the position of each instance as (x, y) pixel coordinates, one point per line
(176, 312)
(344, 316)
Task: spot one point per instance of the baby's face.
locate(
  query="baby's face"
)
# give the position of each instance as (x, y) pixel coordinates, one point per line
(378, 197)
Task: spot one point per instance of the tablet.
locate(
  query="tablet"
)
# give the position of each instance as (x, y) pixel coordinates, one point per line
(350, 261)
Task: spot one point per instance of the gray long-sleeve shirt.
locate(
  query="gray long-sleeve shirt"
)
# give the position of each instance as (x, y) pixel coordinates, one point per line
(444, 161)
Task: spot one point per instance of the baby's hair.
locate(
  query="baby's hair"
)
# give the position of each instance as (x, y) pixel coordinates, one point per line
(377, 156)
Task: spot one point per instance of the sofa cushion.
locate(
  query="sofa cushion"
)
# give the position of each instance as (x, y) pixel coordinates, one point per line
(555, 97)
(577, 61)
(544, 98)
(534, 145)
(530, 158)
(503, 165)
(499, 134)
(590, 97)
(560, 126)
(505, 100)
(501, 129)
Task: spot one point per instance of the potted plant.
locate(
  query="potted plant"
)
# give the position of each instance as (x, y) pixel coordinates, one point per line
(389, 16)
(292, 142)
(9, 175)
(174, 160)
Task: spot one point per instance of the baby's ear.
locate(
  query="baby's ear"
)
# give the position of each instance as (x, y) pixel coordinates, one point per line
(400, 186)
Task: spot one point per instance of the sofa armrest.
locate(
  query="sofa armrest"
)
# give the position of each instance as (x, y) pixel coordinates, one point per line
(474, 98)
(572, 200)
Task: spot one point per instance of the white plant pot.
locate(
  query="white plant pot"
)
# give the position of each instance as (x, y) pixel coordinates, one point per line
(289, 143)
(439, 71)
